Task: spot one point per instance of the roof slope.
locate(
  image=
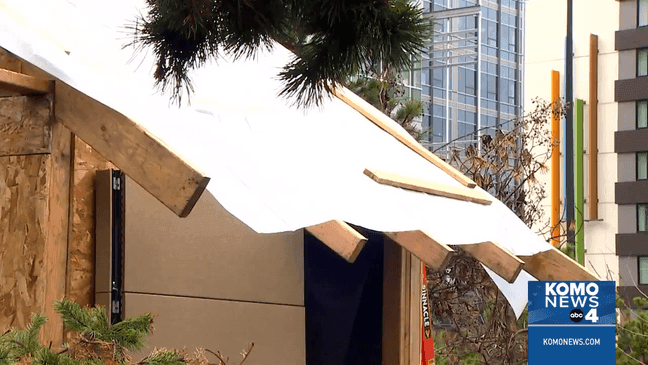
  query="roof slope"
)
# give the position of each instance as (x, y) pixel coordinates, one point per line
(274, 167)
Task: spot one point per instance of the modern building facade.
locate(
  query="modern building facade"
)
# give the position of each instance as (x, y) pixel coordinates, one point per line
(594, 25)
(631, 146)
(470, 79)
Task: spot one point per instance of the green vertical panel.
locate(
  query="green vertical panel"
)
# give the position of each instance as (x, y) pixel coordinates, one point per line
(579, 195)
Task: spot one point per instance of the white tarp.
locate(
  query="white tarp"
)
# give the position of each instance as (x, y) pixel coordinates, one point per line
(274, 167)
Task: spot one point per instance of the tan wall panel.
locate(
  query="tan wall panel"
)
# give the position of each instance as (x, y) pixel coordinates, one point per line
(627, 116)
(628, 15)
(629, 61)
(208, 254)
(24, 187)
(226, 326)
(628, 273)
(627, 216)
(627, 166)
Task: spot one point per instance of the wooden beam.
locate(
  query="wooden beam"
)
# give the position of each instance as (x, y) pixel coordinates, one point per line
(25, 125)
(555, 265)
(592, 148)
(9, 61)
(141, 156)
(393, 304)
(388, 125)
(496, 258)
(24, 84)
(423, 186)
(436, 255)
(339, 237)
(55, 256)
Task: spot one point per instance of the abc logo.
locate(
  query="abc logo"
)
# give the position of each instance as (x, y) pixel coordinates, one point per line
(576, 315)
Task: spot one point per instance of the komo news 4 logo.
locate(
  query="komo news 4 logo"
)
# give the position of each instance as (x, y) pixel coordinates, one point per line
(569, 302)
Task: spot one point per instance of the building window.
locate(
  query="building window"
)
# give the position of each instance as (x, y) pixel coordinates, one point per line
(642, 217)
(642, 62)
(642, 165)
(643, 13)
(642, 114)
(643, 269)
(489, 33)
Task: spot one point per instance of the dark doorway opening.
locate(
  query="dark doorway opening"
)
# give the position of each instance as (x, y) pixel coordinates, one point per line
(344, 303)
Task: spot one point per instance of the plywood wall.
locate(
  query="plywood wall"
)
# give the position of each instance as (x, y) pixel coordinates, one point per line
(34, 212)
(25, 160)
(81, 246)
(23, 224)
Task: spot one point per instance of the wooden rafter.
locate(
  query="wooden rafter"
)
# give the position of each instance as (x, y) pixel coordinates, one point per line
(435, 254)
(388, 125)
(340, 237)
(555, 265)
(423, 186)
(24, 84)
(141, 156)
(496, 258)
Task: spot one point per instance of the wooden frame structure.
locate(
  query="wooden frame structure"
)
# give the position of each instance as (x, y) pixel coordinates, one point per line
(56, 138)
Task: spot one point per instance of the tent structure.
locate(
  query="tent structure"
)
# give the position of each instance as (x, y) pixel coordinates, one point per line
(274, 167)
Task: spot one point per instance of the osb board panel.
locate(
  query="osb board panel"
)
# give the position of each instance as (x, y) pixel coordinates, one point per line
(278, 331)
(81, 246)
(25, 125)
(23, 229)
(209, 254)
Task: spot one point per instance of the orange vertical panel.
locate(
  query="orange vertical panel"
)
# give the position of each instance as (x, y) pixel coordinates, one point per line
(555, 161)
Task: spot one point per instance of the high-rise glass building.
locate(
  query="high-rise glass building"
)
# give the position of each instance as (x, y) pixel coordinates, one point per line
(470, 77)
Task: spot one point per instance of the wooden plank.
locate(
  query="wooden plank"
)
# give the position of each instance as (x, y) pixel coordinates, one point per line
(436, 255)
(388, 125)
(156, 168)
(555, 265)
(25, 125)
(24, 84)
(57, 236)
(24, 191)
(392, 302)
(81, 247)
(406, 300)
(339, 237)
(423, 186)
(593, 129)
(496, 258)
(9, 61)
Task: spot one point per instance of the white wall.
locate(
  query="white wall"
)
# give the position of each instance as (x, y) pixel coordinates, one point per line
(545, 50)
